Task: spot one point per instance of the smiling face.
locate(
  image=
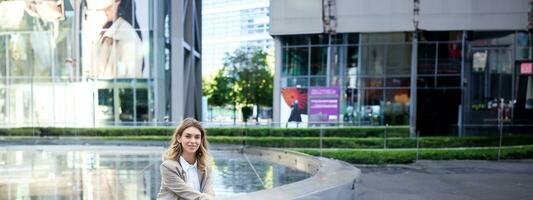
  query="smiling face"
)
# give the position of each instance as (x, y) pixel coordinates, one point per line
(190, 140)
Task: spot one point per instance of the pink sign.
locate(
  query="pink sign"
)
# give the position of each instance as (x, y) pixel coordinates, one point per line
(526, 68)
(323, 103)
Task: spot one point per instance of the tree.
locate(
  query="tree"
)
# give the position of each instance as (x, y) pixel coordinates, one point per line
(220, 90)
(252, 78)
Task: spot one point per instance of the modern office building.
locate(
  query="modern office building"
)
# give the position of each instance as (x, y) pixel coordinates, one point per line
(228, 25)
(99, 62)
(439, 66)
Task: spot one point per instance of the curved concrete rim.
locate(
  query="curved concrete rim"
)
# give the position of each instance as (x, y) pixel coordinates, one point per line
(331, 179)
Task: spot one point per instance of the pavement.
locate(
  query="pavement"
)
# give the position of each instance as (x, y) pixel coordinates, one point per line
(450, 180)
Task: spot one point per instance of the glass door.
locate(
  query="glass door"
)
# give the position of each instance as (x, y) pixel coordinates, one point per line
(490, 80)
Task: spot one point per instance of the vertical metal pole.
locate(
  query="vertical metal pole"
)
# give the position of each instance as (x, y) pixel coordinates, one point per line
(7, 95)
(328, 61)
(385, 137)
(500, 124)
(321, 136)
(417, 144)
(463, 84)
(414, 71)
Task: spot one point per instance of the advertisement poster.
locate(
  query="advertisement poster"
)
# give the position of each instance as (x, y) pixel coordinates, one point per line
(112, 40)
(323, 104)
(293, 105)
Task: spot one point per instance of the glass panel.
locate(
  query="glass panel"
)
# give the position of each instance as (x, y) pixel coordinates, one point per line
(295, 61)
(398, 82)
(448, 81)
(449, 58)
(112, 49)
(350, 61)
(338, 62)
(426, 82)
(426, 58)
(373, 60)
(397, 107)
(3, 55)
(370, 111)
(297, 81)
(125, 96)
(3, 111)
(319, 56)
(491, 38)
(295, 40)
(142, 15)
(20, 102)
(439, 36)
(371, 82)
(384, 38)
(522, 45)
(529, 94)
(491, 80)
(142, 105)
(319, 39)
(353, 38)
(338, 38)
(43, 103)
(65, 61)
(318, 81)
(105, 112)
(30, 54)
(398, 59)
(349, 103)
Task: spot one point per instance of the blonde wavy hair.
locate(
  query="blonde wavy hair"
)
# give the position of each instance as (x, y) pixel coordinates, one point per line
(175, 149)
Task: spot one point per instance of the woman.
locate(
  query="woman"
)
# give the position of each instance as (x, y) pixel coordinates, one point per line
(184, 172)
(117, 50)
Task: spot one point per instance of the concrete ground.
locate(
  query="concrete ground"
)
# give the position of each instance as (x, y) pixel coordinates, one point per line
(448, 180)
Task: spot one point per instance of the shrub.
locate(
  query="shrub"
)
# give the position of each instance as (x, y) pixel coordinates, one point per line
(403, 156)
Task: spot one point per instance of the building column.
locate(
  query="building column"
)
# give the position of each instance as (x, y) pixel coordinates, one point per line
(413, 88)
(159, 61)
(186, 71)
(277, 81)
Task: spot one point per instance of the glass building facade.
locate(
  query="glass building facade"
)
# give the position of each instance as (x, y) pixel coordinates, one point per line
(461, 75)
(87, 63)
(371, 71)
(460, 69)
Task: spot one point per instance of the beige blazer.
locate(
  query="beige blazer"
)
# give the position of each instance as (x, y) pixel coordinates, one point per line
(173, 186)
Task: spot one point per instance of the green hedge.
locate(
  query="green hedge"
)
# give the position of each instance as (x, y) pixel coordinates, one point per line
(409, 155)
(85, 131)
(362, 137)
(395, 131)
(256, 132)
(342, 142)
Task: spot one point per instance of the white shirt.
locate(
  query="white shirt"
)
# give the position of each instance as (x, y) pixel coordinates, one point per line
(192, 173)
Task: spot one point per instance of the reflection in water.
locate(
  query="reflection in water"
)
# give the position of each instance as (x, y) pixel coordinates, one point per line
(105, 172)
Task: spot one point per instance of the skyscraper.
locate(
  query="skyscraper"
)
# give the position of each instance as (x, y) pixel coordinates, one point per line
(231, 24)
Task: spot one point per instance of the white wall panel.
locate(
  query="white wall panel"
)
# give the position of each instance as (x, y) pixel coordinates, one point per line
(374, 15)
(473, 14)
(295, 16)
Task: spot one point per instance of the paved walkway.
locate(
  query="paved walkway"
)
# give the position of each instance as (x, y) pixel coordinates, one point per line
(448, 180)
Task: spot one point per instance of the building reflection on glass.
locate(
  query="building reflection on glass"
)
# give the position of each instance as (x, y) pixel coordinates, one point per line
(59, 173)
(85, 172)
